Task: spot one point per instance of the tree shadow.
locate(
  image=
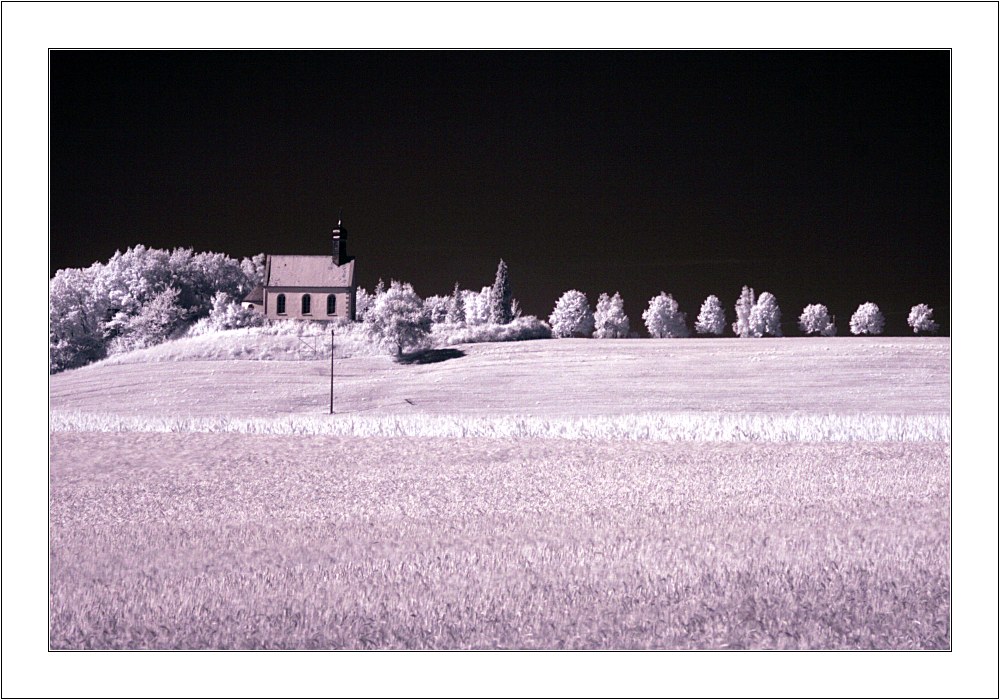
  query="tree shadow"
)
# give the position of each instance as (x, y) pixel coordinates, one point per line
(429, 357)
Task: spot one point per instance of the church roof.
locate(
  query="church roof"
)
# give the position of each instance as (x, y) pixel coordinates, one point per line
(256, 296)
(307, 271)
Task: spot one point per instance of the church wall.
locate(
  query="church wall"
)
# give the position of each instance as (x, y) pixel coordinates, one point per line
(293, 302)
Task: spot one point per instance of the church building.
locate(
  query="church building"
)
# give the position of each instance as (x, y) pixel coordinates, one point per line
(312, 287)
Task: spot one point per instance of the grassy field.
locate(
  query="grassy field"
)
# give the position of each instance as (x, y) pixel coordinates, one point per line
(789, 493)
(542, 378)
(234, 541)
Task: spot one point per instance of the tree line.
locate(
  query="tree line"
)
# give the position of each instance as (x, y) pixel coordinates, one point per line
(756, 317)
(145, 296)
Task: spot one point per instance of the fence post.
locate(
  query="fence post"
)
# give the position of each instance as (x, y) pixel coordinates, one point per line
(331, 369)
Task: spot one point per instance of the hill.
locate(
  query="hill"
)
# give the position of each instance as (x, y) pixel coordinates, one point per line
(543, 378)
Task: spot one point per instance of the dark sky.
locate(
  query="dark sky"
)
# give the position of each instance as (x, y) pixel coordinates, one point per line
(822, 177)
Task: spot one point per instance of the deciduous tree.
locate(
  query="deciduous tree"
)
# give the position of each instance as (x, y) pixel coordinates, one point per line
(867, 320)
(572, 316)
(664, 319)
(610, 320)
(712, 318)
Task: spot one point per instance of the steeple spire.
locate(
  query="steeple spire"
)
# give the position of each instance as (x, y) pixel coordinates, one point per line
(339, 241)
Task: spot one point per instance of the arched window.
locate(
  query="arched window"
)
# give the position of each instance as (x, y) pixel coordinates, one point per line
(306, 304)
(331, 304)
(281, 303)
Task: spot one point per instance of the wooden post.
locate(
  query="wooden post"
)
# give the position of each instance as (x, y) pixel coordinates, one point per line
(331, 370)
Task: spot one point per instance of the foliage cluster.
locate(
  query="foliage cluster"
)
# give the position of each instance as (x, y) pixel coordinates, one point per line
(139, 298)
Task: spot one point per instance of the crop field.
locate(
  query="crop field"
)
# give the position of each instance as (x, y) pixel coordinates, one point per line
(810, 511)
(230, 541)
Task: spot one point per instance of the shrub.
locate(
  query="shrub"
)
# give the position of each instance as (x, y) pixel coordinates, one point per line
(522, 328)
(227, 314)
(610, 320)
(712, 318)
(921, 319)
(815, 319)
(664, 319)
(572, 316)
(867, 320)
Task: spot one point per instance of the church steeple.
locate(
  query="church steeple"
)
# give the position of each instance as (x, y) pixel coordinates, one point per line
(339, 236)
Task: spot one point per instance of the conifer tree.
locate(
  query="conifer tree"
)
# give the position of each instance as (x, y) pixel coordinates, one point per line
(500, 297)
(744, 305)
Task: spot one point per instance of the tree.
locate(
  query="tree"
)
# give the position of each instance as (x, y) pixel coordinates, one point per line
(712, 318)
(765, 316)
(921, 319)
(139, 297)
(610, 320)
(456, 307)
(154, 323)
(78, 310)
(572, 316)
(364, 300)
(515, 309)
(477, 306)
(664, 319)
(500, 297)
(744, 305)
(816, 319)
(254, 268)
(396, 318)
(867, 320)
(436, 308)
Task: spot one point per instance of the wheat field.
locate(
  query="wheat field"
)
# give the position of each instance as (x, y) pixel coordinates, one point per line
(249, 541)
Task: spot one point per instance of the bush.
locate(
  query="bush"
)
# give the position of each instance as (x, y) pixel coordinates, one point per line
(711, 318)
(664, 319)
(227, 314)
(572, 316)
(867, 320)
(610, 320)
(815, 319)
(921, 319)
(522, 328)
